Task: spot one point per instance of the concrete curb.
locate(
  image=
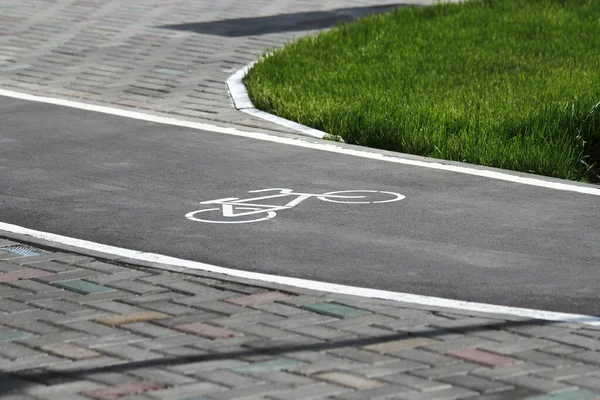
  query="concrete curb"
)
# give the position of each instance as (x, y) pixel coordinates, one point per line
(242, 102)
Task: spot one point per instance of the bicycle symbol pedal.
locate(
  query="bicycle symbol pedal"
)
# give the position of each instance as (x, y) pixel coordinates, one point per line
(232, 210)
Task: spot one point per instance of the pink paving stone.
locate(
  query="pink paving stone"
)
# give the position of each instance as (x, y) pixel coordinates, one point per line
(207, 331)
(23, 274)
(125, 389)
(484, 357)
(258, 298)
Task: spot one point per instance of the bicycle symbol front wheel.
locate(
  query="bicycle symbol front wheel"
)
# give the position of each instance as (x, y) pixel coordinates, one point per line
(361, 197)
(215, 216)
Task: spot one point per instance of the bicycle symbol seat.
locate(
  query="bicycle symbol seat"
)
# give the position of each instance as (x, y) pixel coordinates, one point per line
(233, 210)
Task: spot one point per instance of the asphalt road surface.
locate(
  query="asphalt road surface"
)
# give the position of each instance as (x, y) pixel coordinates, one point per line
(130, 183)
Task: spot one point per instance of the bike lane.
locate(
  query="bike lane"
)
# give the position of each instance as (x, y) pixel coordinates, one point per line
(130, 183)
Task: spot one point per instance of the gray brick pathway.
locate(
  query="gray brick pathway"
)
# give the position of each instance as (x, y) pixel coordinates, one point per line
(155, 56)
(78, 327)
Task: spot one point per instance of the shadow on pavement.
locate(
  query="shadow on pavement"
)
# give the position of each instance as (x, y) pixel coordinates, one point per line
(296, 22)
(11, 383)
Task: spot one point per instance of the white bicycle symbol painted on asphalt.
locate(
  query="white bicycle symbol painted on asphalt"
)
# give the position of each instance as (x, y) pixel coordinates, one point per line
(233, 210)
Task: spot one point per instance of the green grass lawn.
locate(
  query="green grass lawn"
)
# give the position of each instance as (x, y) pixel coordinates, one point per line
(506, 83)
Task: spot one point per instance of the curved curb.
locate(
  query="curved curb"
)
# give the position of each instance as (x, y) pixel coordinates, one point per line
(242, 102)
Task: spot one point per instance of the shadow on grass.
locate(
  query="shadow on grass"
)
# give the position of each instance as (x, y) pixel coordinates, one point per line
(295, 22)
(11, 383)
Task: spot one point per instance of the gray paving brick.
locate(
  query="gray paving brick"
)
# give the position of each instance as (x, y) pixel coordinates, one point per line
(309, 392)
(562, 349)
(578, 340)
(14, 351)
(62, 336)
(136, 287)
(98, 297)
(35, 287)
(63, 389)
(171, 341)
(444, 394)
(247, 317)
(162, 376)
(103, 341)
(161, 296)
(427, 357)
(415, 382)
(150, 330)
(541, 358)
(95, 328)
(477, 384)
(462, 344)
(539, 384)
(118, 277)
(373, 371)
(446, 371)
(168, 307)
(54, 266)
(560, 374)
(203, 366)
(230, 379)
(380, 393)
(101, 267)
(191, 390)
(29, 363)
(248, 391)
(518, 393)
(118, 307)
(363, 356)
(510, 370)
(129, 352)
(10, 306)
(588, 382)
(305, 320)
(70, 275)
(62, 306)
(287, 378)
(592, 357)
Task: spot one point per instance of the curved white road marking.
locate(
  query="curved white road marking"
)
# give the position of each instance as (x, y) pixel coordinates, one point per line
(305, 283)
(321, 145)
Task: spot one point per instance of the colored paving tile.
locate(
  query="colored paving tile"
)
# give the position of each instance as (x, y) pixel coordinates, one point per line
(348, 380)
(10, 335)
(484, 357)
(399, 345)
(206, 331)
(125, 389)
(21, 250)
(266, 366)
(23, 274)
(335, 310)
(116, 320)
(258, 298)
(69, 351)
(574, 395)
(81, 286)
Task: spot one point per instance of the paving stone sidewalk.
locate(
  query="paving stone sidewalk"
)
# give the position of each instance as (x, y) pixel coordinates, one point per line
(155, 56)
(74, 326)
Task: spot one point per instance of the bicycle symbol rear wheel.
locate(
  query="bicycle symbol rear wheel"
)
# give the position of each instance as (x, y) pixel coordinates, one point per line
(215, 216)
(361, 197)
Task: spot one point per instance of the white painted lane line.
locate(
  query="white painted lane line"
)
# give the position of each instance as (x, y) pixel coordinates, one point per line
(304, 283)
(322, 146)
